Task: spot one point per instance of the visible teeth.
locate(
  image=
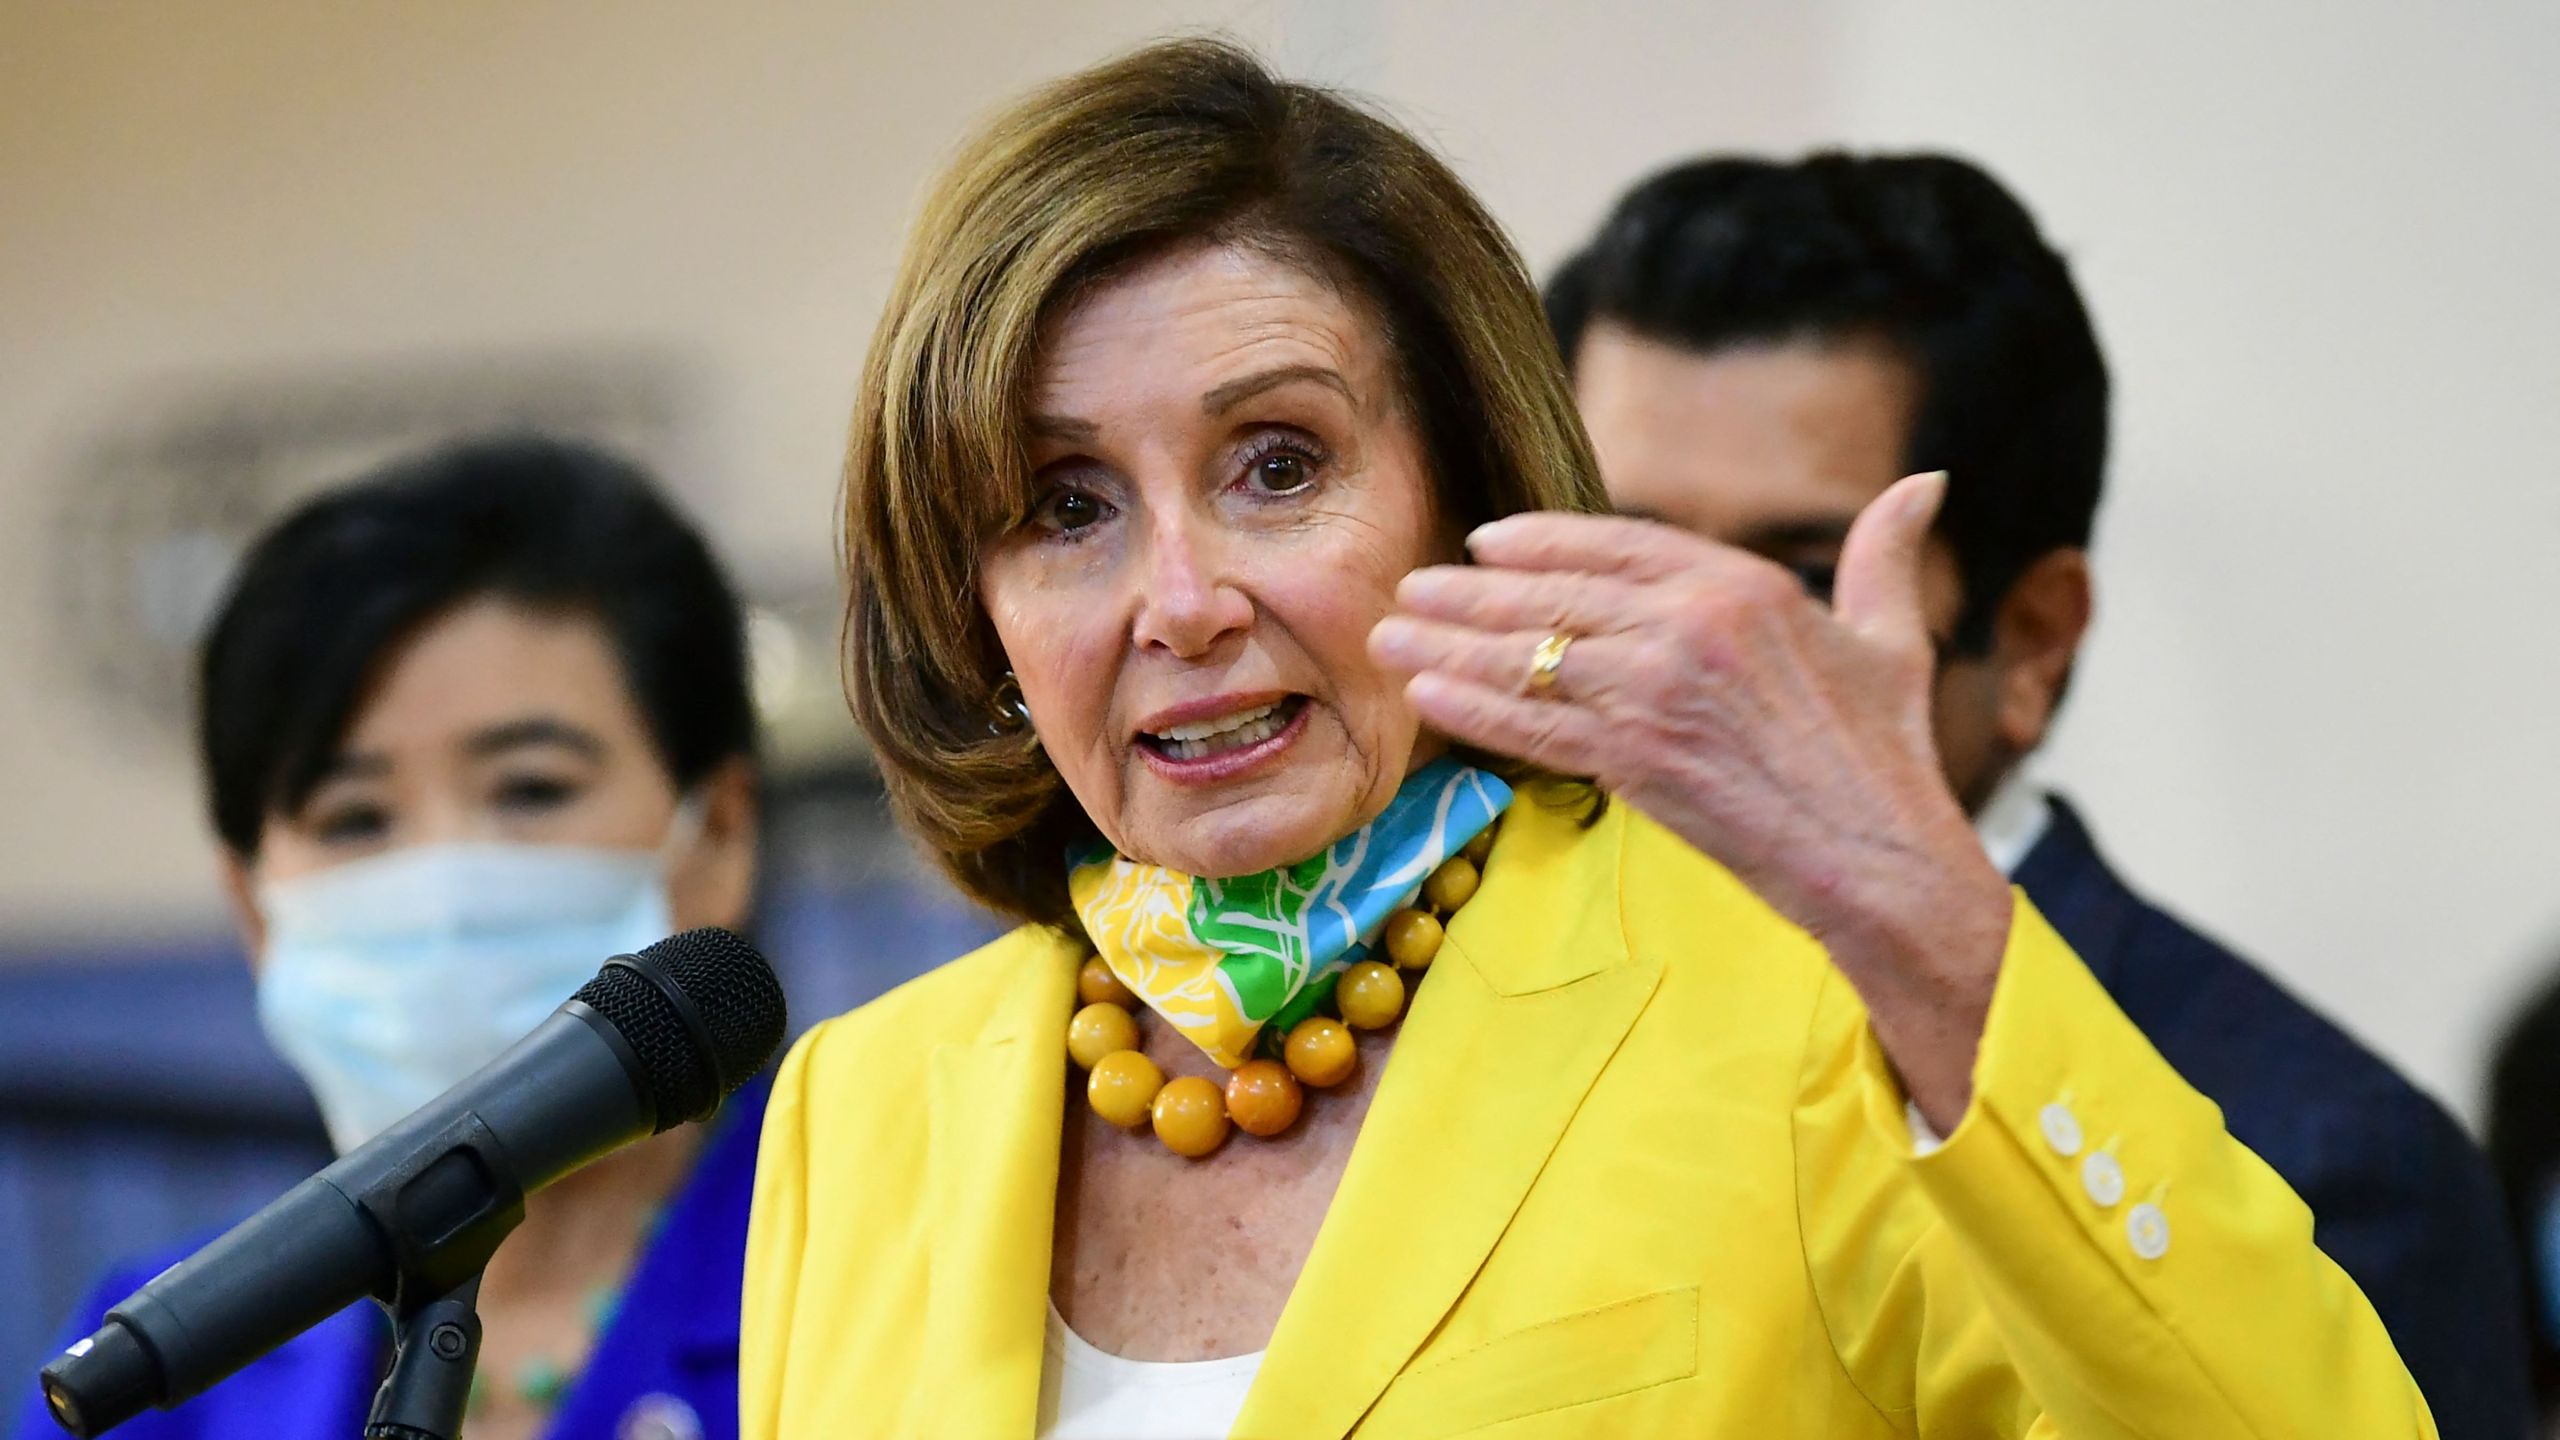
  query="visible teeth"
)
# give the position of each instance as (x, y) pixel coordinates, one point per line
(1234, 732)
(1202, 730)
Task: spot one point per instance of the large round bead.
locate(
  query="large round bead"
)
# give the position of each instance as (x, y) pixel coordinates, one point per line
(1099, 1029)
(1321, 1052)
(1479, 847)
(1096, 985)
(1412, 938)
(1452, 885)
(1262, 1097)
(1191, 1116)
(1370, 995)
(1122, 1088)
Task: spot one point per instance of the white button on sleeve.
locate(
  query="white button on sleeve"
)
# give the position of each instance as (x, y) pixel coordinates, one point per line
(2061, 1128)
(2148, 1230)
(2103, 1178)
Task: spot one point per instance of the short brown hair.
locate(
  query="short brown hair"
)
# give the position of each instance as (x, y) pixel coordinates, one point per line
(1184, 141)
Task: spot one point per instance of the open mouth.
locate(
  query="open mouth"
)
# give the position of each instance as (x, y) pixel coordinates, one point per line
(1225, 734)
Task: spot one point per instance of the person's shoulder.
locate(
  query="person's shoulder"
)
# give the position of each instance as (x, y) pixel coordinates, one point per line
(2318, 1080)
(952, 1003)
(2288, 1077)
(2183, 979)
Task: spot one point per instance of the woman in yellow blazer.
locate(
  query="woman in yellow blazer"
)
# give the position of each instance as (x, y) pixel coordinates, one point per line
(1191, 384)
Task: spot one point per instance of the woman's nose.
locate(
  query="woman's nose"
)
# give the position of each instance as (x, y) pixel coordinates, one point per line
(1188, 598)
(449, 816)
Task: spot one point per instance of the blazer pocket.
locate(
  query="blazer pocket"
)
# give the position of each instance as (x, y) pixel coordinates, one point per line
(1569, 1361)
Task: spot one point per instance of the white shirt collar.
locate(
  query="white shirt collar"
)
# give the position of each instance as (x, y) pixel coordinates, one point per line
(2014, 821)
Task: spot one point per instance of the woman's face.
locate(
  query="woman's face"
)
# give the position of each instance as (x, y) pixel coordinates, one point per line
(498, 723)
(1230, 486)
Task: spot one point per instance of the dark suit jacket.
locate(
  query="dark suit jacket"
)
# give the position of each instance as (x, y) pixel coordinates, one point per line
(2399, 1195)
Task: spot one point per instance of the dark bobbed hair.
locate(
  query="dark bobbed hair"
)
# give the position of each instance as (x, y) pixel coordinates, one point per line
(1183, 142)
(555, 526)
(1927, 253)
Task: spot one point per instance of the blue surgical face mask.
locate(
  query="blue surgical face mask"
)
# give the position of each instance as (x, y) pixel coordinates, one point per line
(387, 980)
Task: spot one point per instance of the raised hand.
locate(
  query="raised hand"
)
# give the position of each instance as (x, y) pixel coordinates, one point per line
(1790, 742)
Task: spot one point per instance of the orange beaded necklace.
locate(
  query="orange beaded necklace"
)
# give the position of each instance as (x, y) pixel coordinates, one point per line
(1192, 1115)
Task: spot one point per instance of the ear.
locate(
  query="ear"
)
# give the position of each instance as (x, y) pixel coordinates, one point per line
(2035, 638)
(714, 882)
(240, 891)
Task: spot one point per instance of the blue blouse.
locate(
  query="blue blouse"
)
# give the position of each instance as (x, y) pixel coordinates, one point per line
(666, 1367)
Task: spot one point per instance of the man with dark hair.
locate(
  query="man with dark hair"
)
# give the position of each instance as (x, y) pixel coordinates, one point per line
(1759, 349)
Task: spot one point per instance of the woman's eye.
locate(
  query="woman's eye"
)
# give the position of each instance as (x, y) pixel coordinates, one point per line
(534, 794)
(1067, 511)
(351, 824)
(1280, 472)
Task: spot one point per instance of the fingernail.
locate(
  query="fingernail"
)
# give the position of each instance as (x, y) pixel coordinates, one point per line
(1927, 494)
(1481, 531)
(1389, 638)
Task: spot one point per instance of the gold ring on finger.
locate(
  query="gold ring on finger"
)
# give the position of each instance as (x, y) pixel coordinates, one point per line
(1545, 661)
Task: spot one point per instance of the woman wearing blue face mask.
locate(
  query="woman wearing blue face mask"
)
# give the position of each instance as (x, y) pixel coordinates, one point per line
(471, 725)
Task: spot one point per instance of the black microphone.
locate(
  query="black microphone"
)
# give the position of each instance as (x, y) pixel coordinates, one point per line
(654, 1040)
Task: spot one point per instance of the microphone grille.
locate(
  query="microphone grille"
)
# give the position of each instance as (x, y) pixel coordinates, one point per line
(702, 1011)
(736, 992)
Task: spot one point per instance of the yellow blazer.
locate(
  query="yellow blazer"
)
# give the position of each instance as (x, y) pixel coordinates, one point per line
(1649, 1175)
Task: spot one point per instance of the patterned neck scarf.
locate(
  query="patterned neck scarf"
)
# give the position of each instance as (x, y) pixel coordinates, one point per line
(1222, 959)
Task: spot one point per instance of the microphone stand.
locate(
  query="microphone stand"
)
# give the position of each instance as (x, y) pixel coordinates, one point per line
(435, 1345)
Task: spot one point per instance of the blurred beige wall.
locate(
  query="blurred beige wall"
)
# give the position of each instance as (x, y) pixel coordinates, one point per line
(2316, 715)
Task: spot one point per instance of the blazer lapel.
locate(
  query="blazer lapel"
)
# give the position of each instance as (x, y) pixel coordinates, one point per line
(991, 1183)
(1529, 997)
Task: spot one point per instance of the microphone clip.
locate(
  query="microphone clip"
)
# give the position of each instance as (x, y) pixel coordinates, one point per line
(445, 1213)
(443, 1207)
(435, 1348)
